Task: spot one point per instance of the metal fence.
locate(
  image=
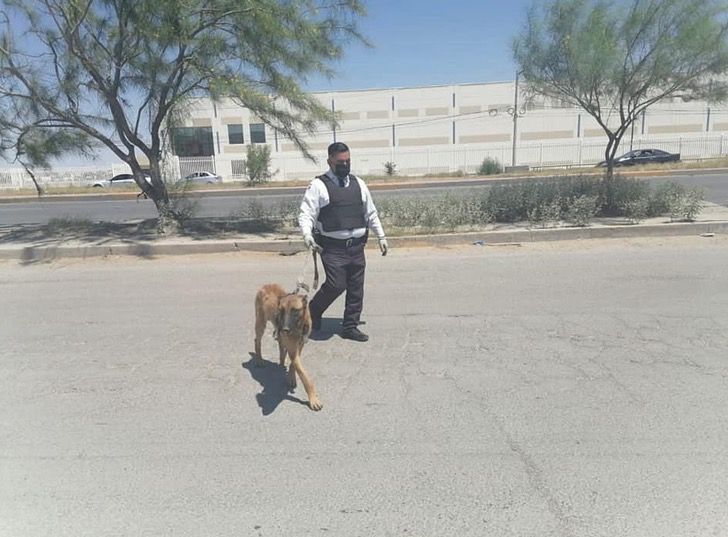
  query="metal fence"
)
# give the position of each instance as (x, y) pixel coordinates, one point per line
(468, 158)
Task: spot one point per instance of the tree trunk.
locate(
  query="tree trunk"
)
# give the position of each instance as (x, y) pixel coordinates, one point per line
(609, 153)
(38, 188)
(167, 220)
(609, 204)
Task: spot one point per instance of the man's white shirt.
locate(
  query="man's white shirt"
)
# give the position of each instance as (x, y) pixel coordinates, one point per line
(317, 197)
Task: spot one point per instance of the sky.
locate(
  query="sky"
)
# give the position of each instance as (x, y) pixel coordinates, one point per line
(417, 43)
(427, 42)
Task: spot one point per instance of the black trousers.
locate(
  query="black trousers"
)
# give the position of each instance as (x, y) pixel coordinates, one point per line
(344, 267)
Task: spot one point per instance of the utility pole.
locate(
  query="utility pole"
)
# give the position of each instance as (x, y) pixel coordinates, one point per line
(515, 120)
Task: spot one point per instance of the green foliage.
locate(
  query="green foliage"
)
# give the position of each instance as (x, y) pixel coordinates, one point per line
(545, 211)
(615, 192)
(490, 166)
(581, 210)
(614, 61)
(443, 213)
(118, 71)
(677, 201)
(576, 200)
(390, 168)
(637, 209)
(257, 163)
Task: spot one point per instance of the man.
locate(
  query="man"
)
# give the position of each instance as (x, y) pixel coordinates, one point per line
(337, 212)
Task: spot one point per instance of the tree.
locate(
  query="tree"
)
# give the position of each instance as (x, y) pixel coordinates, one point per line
(616, 58)
(118, 71)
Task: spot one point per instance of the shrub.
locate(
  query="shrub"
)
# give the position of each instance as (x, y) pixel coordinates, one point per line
(692, 203)
(184, 208)
(490, 166)
(390, 168)
(446, 212)
(678, 202)
(505, 203)
(544, 212)
(576, 200)
(581, 210)
(637, 209)
(615, 193)
(257, 163)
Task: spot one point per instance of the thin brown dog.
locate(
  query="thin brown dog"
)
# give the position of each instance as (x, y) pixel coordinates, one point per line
(288, 312)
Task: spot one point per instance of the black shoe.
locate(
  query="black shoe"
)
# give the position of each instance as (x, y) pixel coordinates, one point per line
(315, 323)
(354, 334)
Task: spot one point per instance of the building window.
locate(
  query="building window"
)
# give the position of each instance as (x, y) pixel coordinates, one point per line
(235, 134)
(193, 142)
(257, 133)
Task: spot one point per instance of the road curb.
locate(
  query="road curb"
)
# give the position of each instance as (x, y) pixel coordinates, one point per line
(30, 253)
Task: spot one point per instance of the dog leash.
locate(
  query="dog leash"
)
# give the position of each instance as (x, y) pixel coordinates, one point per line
(300, 284)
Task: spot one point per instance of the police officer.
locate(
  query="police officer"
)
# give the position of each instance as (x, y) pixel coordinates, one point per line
(336, 215)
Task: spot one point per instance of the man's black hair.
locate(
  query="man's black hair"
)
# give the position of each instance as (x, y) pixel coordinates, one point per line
(337, 147)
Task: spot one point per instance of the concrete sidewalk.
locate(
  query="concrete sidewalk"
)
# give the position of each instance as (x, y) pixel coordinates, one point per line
(28, 244)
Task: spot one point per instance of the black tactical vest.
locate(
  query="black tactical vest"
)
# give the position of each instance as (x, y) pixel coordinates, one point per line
(345, 209)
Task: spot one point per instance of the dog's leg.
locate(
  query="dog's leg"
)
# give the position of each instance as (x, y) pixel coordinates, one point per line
(313, 400)
(291, 374)
(281, 352)
(259, 330)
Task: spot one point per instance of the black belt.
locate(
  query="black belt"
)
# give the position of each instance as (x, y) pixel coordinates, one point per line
(340, 243)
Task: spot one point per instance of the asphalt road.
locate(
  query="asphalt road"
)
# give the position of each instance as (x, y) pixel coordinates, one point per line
(570, 389)
(98, 208)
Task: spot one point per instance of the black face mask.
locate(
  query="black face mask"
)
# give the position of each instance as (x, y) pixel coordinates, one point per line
(341, 169)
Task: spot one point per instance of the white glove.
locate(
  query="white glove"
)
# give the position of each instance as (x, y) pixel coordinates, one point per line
(383, 246)
(311, 244)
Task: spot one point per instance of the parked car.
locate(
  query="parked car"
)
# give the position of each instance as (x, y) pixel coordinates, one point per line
(643, 156)
(118, 180)
(203, 178)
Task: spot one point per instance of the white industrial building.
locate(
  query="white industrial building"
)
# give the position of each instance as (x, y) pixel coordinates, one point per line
(422, 130)
(445, 129)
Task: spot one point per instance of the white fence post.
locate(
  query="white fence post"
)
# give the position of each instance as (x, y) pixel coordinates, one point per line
(580, 150)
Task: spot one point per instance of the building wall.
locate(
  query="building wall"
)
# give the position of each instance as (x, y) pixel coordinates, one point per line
(410, 125)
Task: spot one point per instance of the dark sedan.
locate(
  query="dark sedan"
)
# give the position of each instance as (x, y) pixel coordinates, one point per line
(644, 156)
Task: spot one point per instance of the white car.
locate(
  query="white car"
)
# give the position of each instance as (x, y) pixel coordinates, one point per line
(207, 178)
(118, 180)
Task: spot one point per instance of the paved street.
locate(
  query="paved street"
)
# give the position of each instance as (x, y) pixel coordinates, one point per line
(555, 389)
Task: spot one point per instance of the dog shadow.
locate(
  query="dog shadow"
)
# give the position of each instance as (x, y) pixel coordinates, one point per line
(329, 328)
(272, 378)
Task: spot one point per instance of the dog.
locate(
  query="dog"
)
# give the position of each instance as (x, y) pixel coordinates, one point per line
(291, 319)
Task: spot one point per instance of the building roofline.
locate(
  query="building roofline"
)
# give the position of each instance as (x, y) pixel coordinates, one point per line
(412, 87)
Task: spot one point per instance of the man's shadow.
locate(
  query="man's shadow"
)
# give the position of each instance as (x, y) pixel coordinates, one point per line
(272, 378)
(329, 327)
